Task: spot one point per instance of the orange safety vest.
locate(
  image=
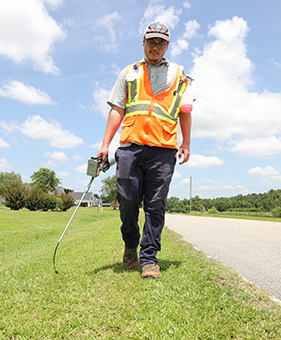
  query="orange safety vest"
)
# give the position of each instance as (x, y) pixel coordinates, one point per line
(149, 119)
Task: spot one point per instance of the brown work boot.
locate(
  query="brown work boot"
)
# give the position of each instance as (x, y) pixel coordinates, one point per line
(130, 258)
(150, 271)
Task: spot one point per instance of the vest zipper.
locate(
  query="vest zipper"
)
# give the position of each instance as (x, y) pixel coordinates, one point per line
(148, 118)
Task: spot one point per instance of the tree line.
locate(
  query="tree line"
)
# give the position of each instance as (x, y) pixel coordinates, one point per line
(263, 202)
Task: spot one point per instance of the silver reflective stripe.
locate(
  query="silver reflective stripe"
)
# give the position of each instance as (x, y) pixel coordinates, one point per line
(177, 101)
(158, 111)
(137, 107)
(175, 106)
(133, 90)
(144, 108)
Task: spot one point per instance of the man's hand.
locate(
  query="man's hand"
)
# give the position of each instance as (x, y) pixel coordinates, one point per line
(103, 152)
(185, 123)
(184, 154)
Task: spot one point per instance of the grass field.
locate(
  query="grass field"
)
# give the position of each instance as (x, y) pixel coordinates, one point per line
(94, 297)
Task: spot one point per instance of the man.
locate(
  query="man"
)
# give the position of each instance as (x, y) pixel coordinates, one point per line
(149, 96)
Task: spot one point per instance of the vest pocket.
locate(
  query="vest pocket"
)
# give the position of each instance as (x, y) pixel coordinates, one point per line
(126, 129)
(169, 135)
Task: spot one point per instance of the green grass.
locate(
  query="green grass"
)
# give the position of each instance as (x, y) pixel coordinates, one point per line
(93, 297)
(240, 216)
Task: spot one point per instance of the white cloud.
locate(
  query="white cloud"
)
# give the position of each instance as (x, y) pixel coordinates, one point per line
(156, 12)
(242, 189)
(77, 157)
(186, 4)
(58, 156)
(28, 32)
(227, 187)
(212, 181)
(54, 3)
(82, 169)
(225, 106)
(38, 128)
(100, 98)
(260, 147)
(96, 145)
(268, 171)
(6, 126)
(116, 69)
(209, 188)
(4, 165)
(186, 181)
(177, 48)
(25, 93)
(191, 28)
(222, 190)
(81, 106)
(49, 164)
(200, 161)
(177, 175)
(108, 43)
(84, 183)
(268, 174)
(3, 144)
(63, 174)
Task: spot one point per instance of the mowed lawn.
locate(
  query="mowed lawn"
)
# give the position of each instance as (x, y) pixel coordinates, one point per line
(94, 297)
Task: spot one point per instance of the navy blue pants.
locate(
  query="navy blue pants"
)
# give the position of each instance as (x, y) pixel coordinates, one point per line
(143, 174)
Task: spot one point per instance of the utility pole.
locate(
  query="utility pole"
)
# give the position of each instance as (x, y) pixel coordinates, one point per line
(190, 191)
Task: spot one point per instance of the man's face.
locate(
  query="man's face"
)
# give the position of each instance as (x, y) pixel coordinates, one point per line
(154, 54)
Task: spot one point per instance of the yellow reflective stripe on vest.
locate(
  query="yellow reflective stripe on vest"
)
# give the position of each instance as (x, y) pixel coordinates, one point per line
(176, 103)
(133, 84)
(133, 90)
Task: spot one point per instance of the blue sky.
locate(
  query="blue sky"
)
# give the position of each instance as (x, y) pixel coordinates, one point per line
(59, 61)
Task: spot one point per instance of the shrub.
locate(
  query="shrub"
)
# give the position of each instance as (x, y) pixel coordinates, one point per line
(276, 212)
(49, 202)
(59, 203)
(34, 199)
(15, 194)
(213, 210)
(65, 202)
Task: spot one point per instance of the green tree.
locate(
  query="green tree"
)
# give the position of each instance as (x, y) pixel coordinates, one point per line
(46, 179)
(208, 203)
(108, 190)
(196, 204)
(6, 177)
(213, 210)
(180, 207)
(171, 203)
(68, 191)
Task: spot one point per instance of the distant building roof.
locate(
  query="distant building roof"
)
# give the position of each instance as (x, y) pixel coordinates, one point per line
(78, 195)
(59, 191)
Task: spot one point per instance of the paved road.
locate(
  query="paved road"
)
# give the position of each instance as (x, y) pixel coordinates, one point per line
(252, 248)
